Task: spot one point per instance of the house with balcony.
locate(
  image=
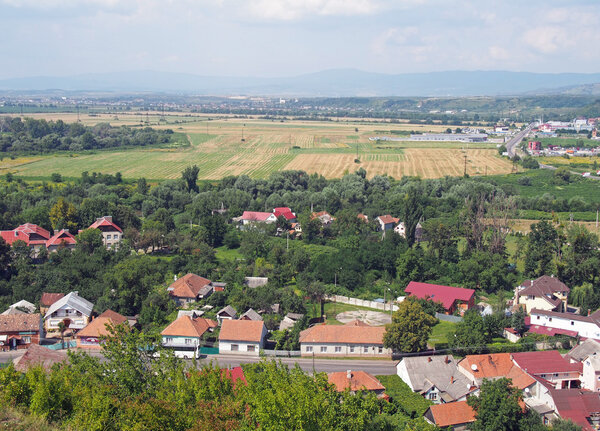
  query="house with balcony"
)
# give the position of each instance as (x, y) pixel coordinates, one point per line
(184, 335)
(71, 309)
(551, 367)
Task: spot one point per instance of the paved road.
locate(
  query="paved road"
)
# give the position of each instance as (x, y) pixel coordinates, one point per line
(373, 366)
(515, 140)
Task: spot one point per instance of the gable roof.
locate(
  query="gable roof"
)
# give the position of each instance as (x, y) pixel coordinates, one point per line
(494, 365)
(105, 224)
(186, 326)
(585, 349)
(359, 380)
(21, 304)
(439, 371)
(20, 322)
(285, 212)
(251, 315)
(346, 334)
(72, 300)
(544, 285)
(387, 219)
(242, 330)
(50, 298)
(189, 286)
(39, 355)
(451, 414)
(438, 293)
(228, 310)
(577, 405)
(97, 327)
(30, 233)
(547, 362)
(63, 236)
(255, 216)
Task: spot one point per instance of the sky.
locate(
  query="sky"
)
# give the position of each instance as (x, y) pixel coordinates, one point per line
(274, 38)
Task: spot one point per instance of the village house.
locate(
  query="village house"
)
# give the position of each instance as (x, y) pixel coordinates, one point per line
(48, 299)
(61, 239)
(71, 309)
(493, 366)
(289, 320)
(19, 331)
(436, 378)
(36, 356)
(91, 335)
(324, 217)
(352, 339)
(573, 325)
(578, 405)
(111, 233)
(355, 381)
(583, 350)
(190, 288)
(386, 222)
(251, 315)
(245, 337)
(184, 335)
(284, 212)
(550, 366)
(31, 234)
(226, 313)
(253, 217)
(452, 298)
(451, 416)
(544, 293)
(590, 375)
(401, 230)
(20, 307)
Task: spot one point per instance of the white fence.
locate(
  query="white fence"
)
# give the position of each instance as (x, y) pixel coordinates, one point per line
(362, 302)
(281, 353)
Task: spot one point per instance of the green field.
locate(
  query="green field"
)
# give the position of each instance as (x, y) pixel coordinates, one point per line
(441, 332)
(257, 147)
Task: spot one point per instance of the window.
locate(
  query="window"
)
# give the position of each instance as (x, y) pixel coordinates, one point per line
(108, 236)
(235, 347)
(380, 349)
(251, 348)
(432, 396)
(538, 317)
(572, 323)
(26, 340)
(550, 319)
(555, 374)
(168, 340)
(543, 376)
(338, 349)
(365, 349)
(188, 341)
(309, 349)
(351, 349)
(323, 349)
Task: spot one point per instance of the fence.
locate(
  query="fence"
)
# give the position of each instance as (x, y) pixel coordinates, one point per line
(361, 303)
(59, 345)
(448, 318)
(281, 353)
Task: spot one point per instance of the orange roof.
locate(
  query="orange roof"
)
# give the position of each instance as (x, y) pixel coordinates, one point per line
(242, 330)
(50, 298)
(387, 219)
(449, 414)
(496, 365)
(358, 380)
(185, 326)
(39, 355)
(188, 286)
(97, 327)
(347, 334)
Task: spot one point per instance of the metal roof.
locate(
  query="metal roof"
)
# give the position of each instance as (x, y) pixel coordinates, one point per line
(72, 300)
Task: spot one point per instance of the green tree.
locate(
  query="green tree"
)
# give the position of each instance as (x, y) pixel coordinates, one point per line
(470, 335)
(190, 177)
(63, 215)
(410, 328)
(565, 425)
(89, 240)
(497, 406)
(541, 249)
(412, 211)
(517, 321)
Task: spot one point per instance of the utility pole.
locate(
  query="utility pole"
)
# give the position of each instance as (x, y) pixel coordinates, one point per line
(465, 174)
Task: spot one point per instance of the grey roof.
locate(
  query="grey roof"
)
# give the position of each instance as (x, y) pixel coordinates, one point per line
(251, 314)
(294, 316)
(206, 290)
(439, 371)
(585, 349)
(192, 313)
(11, 311)
(254, 282)
(219, 284)
(229, 310)
(74, 301)
(24, 304)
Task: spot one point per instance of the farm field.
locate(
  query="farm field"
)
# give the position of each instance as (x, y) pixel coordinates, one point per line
(257, 147)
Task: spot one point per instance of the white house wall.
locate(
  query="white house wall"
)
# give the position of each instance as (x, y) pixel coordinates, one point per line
(338, 349)
(585, 329)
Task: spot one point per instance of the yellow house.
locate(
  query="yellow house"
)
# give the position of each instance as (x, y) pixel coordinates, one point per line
(545, 293)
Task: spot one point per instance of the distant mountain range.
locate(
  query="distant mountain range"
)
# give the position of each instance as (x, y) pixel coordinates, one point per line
(329, 83)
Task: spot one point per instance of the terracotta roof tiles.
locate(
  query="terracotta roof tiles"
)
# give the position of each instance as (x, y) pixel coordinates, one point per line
(346, 334)
(359, 380)
(449, 414)
(188, 286)
(97, 327)
(185, 326)
(242, 330)
(20, 322)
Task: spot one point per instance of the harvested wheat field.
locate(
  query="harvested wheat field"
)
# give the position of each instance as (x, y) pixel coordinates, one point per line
(224, 145)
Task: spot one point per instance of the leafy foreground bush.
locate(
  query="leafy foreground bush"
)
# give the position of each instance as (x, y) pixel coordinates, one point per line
(142, 388)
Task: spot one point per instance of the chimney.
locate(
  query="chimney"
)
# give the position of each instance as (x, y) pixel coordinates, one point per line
(446, 360)
(451, 379)
(589, 312)
(56, 231)
(349, 374)
(429, 359)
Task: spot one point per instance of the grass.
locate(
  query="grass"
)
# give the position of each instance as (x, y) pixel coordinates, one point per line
(440, 333)
(223, 253)
(332, 309)
(413, 404)
(328, 148)
(16, 420)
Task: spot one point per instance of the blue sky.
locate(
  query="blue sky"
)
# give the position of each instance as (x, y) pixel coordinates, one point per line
(291, 37)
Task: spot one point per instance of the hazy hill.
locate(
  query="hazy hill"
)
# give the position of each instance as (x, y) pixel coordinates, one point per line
(341, 83)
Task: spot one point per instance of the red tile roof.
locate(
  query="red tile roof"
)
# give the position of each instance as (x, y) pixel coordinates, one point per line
(39, 355)
(105, 224)
(50, 298)
(545, 362)
(20, 323)
(185, 326)
(449, 414)
(285, 212)
(64, 236)
(551, 332)
(493, 365)
(255, 216)
(188, 286)
(577, 405)
(447, 295)
(242, 330)
(359, 380)
(97, 327)
(346, 334)
(30, 233)
(387, 219)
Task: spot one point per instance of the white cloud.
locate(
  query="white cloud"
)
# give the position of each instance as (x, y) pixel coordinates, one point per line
(288, 10)
(547, 39)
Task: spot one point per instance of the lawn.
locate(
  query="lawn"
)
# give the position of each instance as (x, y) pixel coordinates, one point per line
(440, 333)
(224, 253)
(413, 404)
